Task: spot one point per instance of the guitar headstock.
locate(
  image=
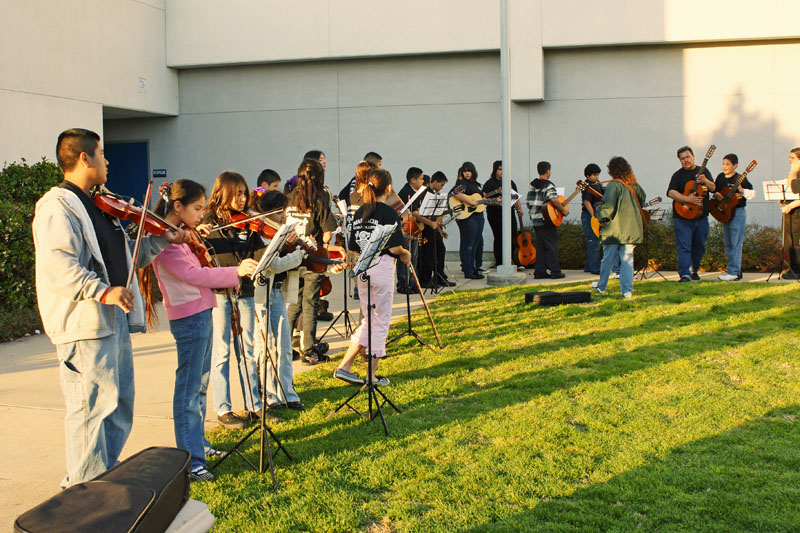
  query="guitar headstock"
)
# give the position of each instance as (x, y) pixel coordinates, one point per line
(654, 201)
(581, 185)
(753, 164)
(458, 189)
(711, 150)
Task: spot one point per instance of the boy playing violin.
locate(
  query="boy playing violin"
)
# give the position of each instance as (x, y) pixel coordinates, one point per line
(82, 262)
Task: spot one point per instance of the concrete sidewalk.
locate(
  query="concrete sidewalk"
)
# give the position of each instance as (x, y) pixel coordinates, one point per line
(32, 407)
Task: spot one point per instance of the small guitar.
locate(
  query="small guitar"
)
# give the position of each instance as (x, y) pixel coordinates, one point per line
(689, 211)
(463, 210)
(552, 216)
(723, 209)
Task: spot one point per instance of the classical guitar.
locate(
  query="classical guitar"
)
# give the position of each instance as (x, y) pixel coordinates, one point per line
(597, 194)
(525, 252)
(463, 210)
(552, 216)
(689, 211)
(723, 209)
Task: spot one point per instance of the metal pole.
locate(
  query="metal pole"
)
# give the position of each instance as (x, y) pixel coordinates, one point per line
(507, 267)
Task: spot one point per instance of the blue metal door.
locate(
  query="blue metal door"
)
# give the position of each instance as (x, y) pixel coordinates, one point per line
(128, 169)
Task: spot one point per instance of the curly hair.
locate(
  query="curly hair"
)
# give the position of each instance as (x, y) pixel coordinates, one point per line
(620, 169)
(307, 191)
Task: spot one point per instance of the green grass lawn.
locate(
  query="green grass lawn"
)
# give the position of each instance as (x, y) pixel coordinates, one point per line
(678, 410)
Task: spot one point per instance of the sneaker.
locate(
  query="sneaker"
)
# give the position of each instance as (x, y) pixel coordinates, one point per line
(348, 377)
(695, 276)
(448, 283)
(483, 270)
(474, 275)
(381, 381)
(231, 421)
(739, 276)
(215, 453)
(275, 406)
(615, 275)
(321, 347)
(325, 316)
(557, 275)
(727, 277)
(541, 276)
(296, 406)
(596, 288)
(627, 295)
(255, 416)
(685, 278)
(201, 474)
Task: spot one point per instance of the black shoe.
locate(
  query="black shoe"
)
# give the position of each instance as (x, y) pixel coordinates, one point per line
(231, 421)
(788, 274)
(685, 278)
(542, 276)
(325, 316)
(321, 347)
(296, 406)
(695, 276)
(739, 276)
(474, 275)
(295, 355)
(404, 291)
(276, 406)
(255, 416)
(597, 273)
(557, 275)
(447, 283)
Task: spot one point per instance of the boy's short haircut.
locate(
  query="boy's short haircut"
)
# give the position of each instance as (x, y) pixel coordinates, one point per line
(542, 167)
(267, 176)
(733, 158)
(273, 199)
(72, 143)
(685, 149)
(373, 157)
(413, 173)
(439, 177)
(590, 169)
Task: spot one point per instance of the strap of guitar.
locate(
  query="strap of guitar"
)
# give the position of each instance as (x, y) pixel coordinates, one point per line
(635, 199)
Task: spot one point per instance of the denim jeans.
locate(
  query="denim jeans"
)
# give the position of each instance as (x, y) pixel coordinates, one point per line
(593, 253)
(280, 347)
(733, 235)
(624, 254)
(471, 246)
(97, 382)
(308, 305)
(193, 341)
(221, 355)
(690, 243)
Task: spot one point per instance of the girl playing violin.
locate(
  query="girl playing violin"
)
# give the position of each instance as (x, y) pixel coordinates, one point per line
(188, 300)
(231, 245)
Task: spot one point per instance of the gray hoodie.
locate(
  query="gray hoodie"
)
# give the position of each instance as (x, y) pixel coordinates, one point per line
(70, 274)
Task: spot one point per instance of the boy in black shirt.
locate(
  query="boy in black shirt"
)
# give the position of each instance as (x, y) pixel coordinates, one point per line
(733, 230)
(413, 183)
(588, 203)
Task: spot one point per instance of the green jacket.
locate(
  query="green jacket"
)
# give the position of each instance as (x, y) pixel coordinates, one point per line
(620, 216)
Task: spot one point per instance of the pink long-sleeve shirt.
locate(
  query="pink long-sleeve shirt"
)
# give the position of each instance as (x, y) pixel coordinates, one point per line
(186, 285)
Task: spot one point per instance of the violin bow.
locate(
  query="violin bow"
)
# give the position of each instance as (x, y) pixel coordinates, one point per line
(425, 305)
(139, 235)
(248, 219)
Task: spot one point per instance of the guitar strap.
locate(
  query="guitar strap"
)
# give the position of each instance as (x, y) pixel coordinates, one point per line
(635, 199)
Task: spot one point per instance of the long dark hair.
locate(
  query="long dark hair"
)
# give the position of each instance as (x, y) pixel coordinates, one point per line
(306, 193)
(224, 191)
(185, 192)
(468, 166)
(378, 182)
(495, 166)
(620, 169)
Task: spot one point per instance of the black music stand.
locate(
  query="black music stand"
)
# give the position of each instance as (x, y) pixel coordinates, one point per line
(273, 251)
(656, 215)
(349, 321)
(370, 254)
(774, 190)
(434, 205)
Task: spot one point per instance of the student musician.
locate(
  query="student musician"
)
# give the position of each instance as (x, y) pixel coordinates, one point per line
(405, 285)
(432, 251)
(352, 185)
(82, 262)
(621, 225)
(588, 210)
(280, 332)
(690, 235)
(471, 228)
(186, 285)
(494, 212)
(374, 211)
(543, 191)
(733, 231)
(791, 219)
(229, 198)
(268, 180)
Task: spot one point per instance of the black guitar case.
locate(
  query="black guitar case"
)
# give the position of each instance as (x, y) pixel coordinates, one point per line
(141, 494)
(557, 298)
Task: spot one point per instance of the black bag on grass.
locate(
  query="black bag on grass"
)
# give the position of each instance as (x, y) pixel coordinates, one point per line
(142, 494)
(557, 298)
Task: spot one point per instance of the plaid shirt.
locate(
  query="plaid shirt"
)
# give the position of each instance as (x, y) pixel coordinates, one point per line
(537, 197)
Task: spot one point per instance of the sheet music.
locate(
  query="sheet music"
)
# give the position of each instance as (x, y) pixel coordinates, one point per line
(775, 190)
(433, 204)
(346, 221)
(274, 248)
(370, 252)
(411, 200)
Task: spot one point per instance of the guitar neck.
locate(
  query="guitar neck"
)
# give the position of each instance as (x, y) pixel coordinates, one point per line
(571, 196)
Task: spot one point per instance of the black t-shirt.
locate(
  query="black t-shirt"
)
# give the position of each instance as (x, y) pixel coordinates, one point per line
(492, 189)
(347, 190)
(722, 181)
(110, 237)
(592, 199)
(314, 223)
(406, 193)
(678, 183)
(470, 187)
(362, 229)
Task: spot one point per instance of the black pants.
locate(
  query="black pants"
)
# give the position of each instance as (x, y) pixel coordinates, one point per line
(431, 256)
(546, 250)
(496, 223)
(791, 236)
(307, 305)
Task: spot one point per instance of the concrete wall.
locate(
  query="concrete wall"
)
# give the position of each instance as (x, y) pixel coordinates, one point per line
(62, 62)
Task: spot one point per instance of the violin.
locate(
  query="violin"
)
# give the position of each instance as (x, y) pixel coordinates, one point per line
(113, 205)
(249, 220)
(198, 247)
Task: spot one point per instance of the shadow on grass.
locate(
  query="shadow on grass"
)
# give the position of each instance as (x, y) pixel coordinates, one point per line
(745, 479)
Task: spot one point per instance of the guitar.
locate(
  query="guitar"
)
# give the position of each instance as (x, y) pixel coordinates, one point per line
(597, 194)
(552, 216)
(723, 209)
(689, 211)
(463, 210)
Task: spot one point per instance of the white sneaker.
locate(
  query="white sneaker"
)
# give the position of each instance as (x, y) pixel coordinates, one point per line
(727, 277)
(615, 275)
(627, 295)
(594, 286)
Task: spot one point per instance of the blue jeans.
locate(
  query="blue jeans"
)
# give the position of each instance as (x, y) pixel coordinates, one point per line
(690, 243)
(280, 347)
(593, 254)
(221, 354)
(193, 341)
(471, 246)
(97, 383)
(624, 254)
(733, 235)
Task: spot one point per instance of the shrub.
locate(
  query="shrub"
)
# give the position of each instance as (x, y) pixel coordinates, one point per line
(22, 186)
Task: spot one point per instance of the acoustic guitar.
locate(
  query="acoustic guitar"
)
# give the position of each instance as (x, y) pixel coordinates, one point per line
(689, 211)
(552, 216)
(597, 194)
(525, 252)
(723, 209)
(463, 210)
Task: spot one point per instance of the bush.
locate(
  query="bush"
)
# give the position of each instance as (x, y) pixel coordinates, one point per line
(22, 186)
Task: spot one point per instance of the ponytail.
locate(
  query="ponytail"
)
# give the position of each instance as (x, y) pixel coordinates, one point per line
(378, 183)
